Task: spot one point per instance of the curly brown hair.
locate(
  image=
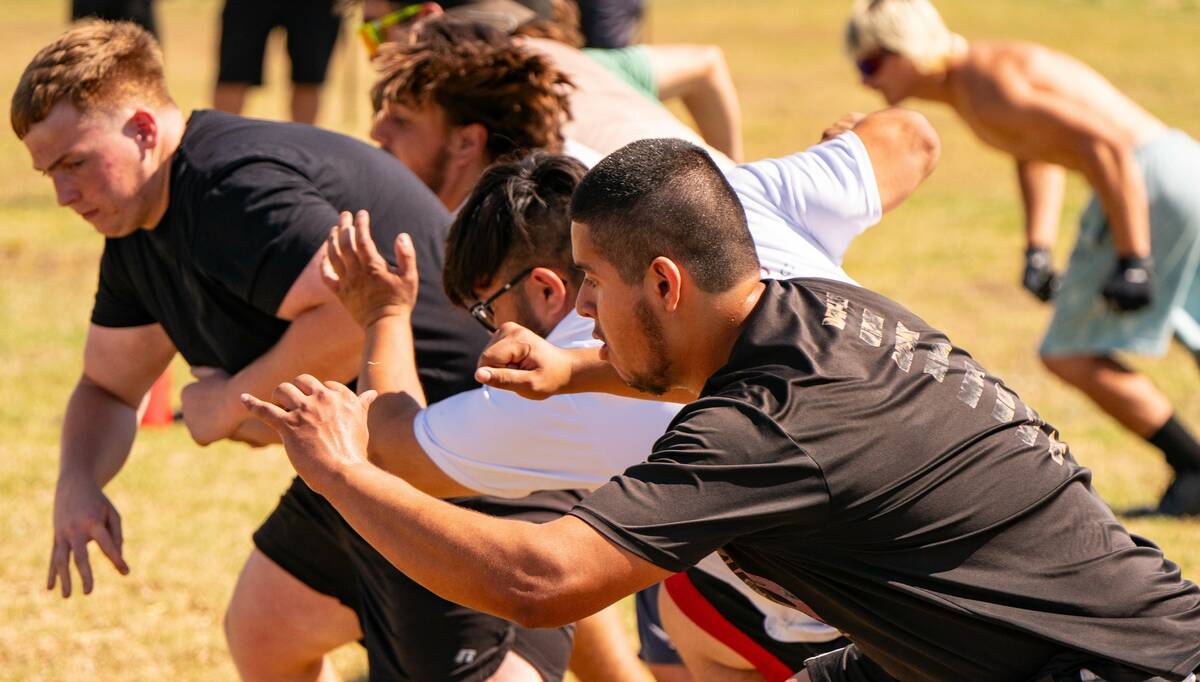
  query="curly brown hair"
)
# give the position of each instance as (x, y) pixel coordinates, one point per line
(95, 64)
(477, 74)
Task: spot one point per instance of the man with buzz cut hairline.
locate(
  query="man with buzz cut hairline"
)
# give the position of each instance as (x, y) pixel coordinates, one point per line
(842, 455)
(215, 228)
(1133, 280)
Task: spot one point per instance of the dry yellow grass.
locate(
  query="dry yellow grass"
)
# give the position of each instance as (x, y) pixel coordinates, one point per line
(952, 254)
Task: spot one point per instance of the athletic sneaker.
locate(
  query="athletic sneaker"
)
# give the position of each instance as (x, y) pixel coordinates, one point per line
(1182, 498)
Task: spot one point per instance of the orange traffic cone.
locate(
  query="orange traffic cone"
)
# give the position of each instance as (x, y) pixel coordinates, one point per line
(158, 409)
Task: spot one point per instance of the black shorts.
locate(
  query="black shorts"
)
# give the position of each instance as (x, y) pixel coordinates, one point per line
(409, 632)
(726, 614)
(312, 30)
(138, 11)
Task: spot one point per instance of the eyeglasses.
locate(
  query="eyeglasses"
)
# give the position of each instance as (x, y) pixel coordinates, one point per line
(482, 311)
(869, 65)
(372, 32)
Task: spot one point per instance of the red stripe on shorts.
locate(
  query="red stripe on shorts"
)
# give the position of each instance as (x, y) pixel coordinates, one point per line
(693, 605)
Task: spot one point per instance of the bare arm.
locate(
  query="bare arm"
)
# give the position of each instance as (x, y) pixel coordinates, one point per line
(904, 149)
(322, 339)
(699, 76)
(537, 575)
(518, 360)
(1079, 138)
(119, 366)
(380, 298)
(1042, 188)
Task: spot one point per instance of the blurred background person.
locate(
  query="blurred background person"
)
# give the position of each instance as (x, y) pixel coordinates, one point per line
(312, 28)
(1133, 279)
(696, 74)
(611, 23)
(140, 12)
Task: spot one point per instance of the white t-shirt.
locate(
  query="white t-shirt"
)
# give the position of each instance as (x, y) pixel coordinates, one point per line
(803, 211)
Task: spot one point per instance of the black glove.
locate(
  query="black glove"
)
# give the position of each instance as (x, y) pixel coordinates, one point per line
(1039, 278)
(1131, 286)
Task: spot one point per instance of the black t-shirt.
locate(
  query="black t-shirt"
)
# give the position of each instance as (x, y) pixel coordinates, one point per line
(850, 462)
(250, 203)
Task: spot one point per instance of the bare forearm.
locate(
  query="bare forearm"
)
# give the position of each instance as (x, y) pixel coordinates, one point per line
(590, 374)
(715, 108)
(97, 433)
(493, 565)
(699, 76)
(1042, 187)
(389, 363)
(1114, 174)
(323, 341)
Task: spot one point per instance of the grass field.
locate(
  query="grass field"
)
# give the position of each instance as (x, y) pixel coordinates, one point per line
(952, 254)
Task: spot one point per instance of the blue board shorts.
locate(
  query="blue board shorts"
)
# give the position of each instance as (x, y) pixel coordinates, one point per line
(1082, 323)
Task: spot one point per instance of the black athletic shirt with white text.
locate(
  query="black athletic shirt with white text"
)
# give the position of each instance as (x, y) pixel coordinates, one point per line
(250, 204)
(852, 463)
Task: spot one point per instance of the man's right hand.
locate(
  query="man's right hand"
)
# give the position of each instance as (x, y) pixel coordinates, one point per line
(364, 282)
(82, 513)
(1039, 277)
(520, 361)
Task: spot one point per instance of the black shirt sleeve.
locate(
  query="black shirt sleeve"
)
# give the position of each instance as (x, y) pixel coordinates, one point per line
(259, 227)
(117, 302)
(724, 471)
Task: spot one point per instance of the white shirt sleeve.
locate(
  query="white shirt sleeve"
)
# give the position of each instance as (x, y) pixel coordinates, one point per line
(501, 444)
(827, 194)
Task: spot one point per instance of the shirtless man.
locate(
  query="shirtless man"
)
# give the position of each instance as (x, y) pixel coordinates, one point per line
(1132, 279)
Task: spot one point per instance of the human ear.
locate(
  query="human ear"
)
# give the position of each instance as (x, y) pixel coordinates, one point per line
(471, 141)
(549, 293)
(143, 127)
(665, 279)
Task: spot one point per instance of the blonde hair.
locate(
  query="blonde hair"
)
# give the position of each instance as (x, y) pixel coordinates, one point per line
(94, 65)
(912, 28)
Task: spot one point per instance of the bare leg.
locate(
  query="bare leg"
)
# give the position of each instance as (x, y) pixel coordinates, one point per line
(306, 99)
(708, 659)
(280, 629)
(230, 97)
(1130, 398)
(603, 651)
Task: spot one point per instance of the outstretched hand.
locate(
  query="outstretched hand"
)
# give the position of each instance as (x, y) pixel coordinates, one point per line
(364, 282)
(323, 426)
(83, 514)
(519, 360)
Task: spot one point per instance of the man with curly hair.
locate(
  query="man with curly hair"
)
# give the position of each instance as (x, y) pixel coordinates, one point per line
(458, 96)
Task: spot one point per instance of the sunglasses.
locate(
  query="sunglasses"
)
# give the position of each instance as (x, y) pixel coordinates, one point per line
(870, 64)
(372, 32)
(482, 311)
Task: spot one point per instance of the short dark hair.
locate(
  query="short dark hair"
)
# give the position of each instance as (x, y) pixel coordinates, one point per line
(666, 197)
(517, 217)
(477, 74)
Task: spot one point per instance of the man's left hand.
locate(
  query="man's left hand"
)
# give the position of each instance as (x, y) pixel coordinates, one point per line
(323, 425)
(364, 282)
(1131, 285)
(209, 412)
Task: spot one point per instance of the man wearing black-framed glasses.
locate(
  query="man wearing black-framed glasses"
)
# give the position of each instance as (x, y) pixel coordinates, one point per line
(482, 311)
